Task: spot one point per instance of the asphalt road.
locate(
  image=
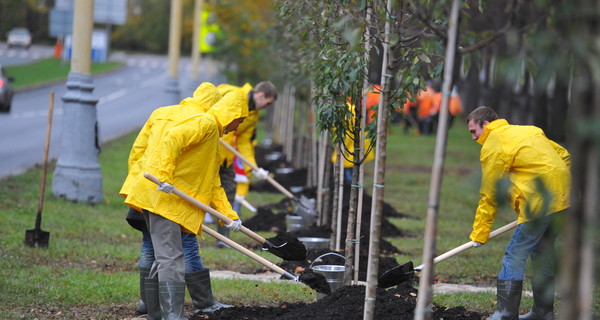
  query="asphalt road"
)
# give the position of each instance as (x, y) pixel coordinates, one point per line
(126, 96)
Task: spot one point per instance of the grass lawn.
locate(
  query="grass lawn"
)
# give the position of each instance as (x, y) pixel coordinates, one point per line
(91, 262)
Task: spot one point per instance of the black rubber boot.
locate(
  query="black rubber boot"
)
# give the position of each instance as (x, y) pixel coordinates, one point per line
(224, 231)
(543, 303)
(172, 298)
(152, 302)
(141, 309)
(509, 299)
(198, 284)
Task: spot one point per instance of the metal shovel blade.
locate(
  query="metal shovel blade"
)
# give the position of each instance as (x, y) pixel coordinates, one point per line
(396, 275)
(37, 238)
(306, 209)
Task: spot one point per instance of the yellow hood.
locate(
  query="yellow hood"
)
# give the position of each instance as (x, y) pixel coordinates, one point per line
(204, 97)
(232, 106)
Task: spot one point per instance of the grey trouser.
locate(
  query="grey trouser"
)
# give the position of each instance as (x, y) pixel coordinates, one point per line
(168, 249)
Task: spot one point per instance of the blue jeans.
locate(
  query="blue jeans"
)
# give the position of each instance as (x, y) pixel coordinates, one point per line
(348, 175)
(533, 239)
(191, 253)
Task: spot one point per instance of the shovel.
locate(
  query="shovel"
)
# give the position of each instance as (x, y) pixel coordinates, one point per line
(405, 272)
(284, 245)
(305, 207)
(37, 237)
(314, 280)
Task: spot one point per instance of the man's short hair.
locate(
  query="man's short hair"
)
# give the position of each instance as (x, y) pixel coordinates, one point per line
(482, 114)
(267, 88)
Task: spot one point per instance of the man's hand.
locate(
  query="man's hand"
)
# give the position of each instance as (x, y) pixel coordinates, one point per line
(477, 244)
(166, 187)
(261, 174)
(235, 225)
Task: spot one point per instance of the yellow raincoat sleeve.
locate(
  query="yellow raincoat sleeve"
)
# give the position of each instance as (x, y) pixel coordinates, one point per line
(562, 152)
(493, 168)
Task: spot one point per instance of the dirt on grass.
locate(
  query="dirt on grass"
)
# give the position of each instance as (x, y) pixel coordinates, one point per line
(398, 303)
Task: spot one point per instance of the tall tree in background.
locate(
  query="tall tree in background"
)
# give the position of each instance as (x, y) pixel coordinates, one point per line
(246, 42)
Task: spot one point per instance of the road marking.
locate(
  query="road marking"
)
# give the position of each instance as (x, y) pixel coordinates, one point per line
(151, 81)
(113, 96)
(34, 114)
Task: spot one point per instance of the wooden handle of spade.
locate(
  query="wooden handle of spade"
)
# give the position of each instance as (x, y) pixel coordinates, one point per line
(208, 209)
(255, 168)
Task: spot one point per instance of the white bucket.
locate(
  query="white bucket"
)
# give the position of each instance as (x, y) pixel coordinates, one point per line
(315, 243)
(294, 223)
(334, 274)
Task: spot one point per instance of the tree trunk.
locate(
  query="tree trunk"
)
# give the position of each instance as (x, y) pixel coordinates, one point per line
(424, 300)
(351, 224)
(379, 171)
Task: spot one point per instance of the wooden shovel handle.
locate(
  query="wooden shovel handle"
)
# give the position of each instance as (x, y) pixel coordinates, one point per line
(45, 159)
(468, 245)
(249, 253)
(255, 168)
(208, 209)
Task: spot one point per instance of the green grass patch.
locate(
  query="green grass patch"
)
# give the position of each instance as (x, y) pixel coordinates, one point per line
(48, 70)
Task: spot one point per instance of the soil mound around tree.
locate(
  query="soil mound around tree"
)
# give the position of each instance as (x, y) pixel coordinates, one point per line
(346, 303)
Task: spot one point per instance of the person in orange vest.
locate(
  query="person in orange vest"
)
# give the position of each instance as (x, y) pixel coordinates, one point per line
(409, 115)
(425, 110)
(58, 47)
(454, 106)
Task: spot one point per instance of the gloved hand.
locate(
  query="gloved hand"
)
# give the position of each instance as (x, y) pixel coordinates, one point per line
(239, 198)
(477, 244)
(261, 174)
(166, 187)
(235, 225)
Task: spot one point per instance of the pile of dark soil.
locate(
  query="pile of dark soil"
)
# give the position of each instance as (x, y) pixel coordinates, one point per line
(346, 303)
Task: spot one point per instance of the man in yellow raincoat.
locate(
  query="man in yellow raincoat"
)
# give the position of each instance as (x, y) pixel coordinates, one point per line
(260, 97)
(185, 153)
(539, 175)
(197, 277)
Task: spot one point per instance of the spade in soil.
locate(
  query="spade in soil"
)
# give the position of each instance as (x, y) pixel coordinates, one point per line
(37, 237)
(405, 271)
(314, 280)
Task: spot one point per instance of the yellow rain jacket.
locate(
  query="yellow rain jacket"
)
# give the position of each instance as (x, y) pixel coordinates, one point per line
(349, 143)
(188, 156)
(161, 120)
(523, 154)
(242, 138)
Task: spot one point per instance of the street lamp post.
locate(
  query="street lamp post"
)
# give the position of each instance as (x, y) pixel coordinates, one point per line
(77, 176)
(172, 88)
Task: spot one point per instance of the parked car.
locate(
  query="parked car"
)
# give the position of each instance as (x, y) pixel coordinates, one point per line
(19, 37)
(6, 91)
